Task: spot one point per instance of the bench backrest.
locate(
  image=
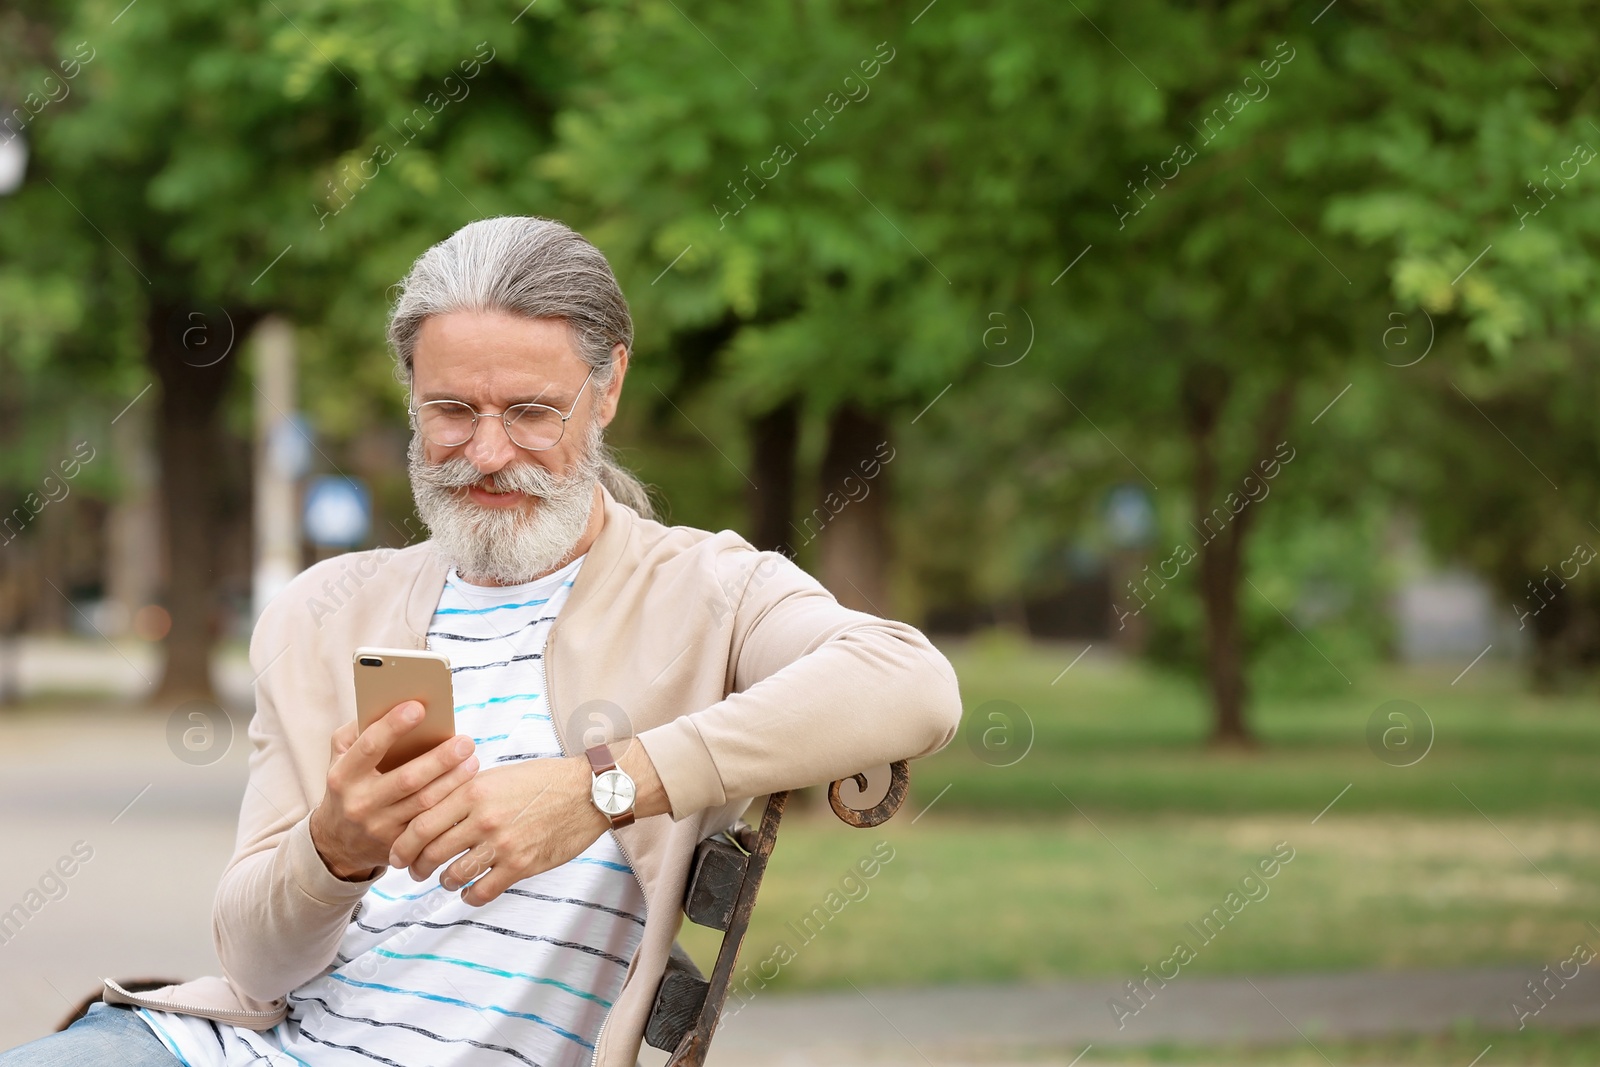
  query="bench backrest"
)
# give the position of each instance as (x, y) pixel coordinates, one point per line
(722, 895)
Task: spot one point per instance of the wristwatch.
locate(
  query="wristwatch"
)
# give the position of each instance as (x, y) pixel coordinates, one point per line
(612, 790)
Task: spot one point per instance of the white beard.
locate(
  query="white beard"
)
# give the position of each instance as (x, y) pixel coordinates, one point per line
(506, 546)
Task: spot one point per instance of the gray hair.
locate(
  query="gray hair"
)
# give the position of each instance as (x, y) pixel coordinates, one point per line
(536, 268)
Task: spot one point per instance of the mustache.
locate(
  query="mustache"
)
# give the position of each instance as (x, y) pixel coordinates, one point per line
(530, 478)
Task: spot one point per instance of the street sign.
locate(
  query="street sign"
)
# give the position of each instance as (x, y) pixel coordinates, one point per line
(338, 511)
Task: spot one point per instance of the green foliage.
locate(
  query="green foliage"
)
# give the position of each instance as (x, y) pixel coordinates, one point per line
(844, 202)
(1329, 580)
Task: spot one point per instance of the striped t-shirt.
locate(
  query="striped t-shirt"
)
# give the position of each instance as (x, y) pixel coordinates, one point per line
(422, 978)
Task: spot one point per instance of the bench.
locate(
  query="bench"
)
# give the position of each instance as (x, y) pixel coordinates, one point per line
(722, 895)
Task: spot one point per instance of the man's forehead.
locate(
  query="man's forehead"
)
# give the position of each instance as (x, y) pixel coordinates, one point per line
(472, 351)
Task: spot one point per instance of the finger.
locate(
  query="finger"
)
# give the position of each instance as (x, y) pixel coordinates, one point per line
(343, 738)
(487, 888)
(373, 743)
(404, 780)
(476, 864)
(436, 790)
(425, 828)
(452, 842)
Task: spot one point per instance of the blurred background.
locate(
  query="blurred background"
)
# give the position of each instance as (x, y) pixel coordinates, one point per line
(1207, 380)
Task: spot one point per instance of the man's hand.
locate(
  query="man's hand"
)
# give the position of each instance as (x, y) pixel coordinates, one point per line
(520, 821)
(363, 811)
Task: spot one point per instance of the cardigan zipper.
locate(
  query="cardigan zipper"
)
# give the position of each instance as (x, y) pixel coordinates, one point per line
(555, 728)
(597, 1034)
(186, 1009)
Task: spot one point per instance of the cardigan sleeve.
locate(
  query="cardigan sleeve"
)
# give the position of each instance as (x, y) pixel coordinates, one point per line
(820, 692)
(279, 913)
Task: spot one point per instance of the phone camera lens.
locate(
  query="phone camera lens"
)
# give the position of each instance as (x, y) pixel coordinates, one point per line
(371, 661)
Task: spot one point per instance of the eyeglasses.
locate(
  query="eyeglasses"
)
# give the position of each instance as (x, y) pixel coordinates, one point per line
(535, 427)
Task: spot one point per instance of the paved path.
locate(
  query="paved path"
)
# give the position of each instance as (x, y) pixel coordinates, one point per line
(1052, 1024)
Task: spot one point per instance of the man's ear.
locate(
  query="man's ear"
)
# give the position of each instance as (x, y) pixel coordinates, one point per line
(613, 393)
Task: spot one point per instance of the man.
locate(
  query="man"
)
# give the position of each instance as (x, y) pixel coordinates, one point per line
(509, 893)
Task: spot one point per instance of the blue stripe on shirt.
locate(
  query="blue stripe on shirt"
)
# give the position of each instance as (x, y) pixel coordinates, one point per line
(375, 891)
(166, 1038)
(486, 969)
(505, 931)
(498, 700)
(568, 1034)
(502, 737)
(494, 607)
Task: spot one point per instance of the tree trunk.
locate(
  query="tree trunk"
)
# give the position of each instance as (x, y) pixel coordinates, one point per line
(1550, 638)
(774, 437)
(133, 529)
(193, 383)
(1205, 397)
(852, 515)
(1219, 592)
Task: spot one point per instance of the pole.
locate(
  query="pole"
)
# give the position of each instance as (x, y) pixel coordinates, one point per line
(277, 528)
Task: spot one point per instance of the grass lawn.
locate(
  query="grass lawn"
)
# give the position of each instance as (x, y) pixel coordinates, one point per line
(966, 899)
(1004, 879)
(1121, 737)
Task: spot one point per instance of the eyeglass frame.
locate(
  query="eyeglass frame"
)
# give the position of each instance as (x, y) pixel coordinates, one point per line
(476, 415)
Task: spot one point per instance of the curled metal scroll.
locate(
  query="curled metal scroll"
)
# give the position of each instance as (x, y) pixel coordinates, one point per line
(883, 810)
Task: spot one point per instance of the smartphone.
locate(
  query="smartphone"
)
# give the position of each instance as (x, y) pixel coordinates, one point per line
(389, 676)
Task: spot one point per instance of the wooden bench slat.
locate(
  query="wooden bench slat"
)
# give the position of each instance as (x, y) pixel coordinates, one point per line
(679, 999)
(719, 867)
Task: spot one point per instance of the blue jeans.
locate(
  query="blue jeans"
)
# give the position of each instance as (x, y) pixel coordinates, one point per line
(109, 1034)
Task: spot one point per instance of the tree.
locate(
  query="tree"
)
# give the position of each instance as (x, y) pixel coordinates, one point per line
(205, 145)
(1253, 254)
(877, 239)
(765, 229)
(1474, 189)
(823, 214)
(60, 383)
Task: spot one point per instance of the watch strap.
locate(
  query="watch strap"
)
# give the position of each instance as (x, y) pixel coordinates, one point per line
(600, 758)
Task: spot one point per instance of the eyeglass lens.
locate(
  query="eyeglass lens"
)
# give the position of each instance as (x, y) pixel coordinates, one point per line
(448, 423)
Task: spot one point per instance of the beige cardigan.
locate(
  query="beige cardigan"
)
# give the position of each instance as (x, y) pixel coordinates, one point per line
(735, 669)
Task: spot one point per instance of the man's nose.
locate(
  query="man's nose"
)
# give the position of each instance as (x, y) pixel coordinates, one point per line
(490, 448)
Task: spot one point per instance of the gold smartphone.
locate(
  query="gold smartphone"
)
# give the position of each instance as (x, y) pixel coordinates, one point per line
(389, 676)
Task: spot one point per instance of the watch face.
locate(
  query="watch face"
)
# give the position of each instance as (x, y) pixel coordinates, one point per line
(613, 792)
